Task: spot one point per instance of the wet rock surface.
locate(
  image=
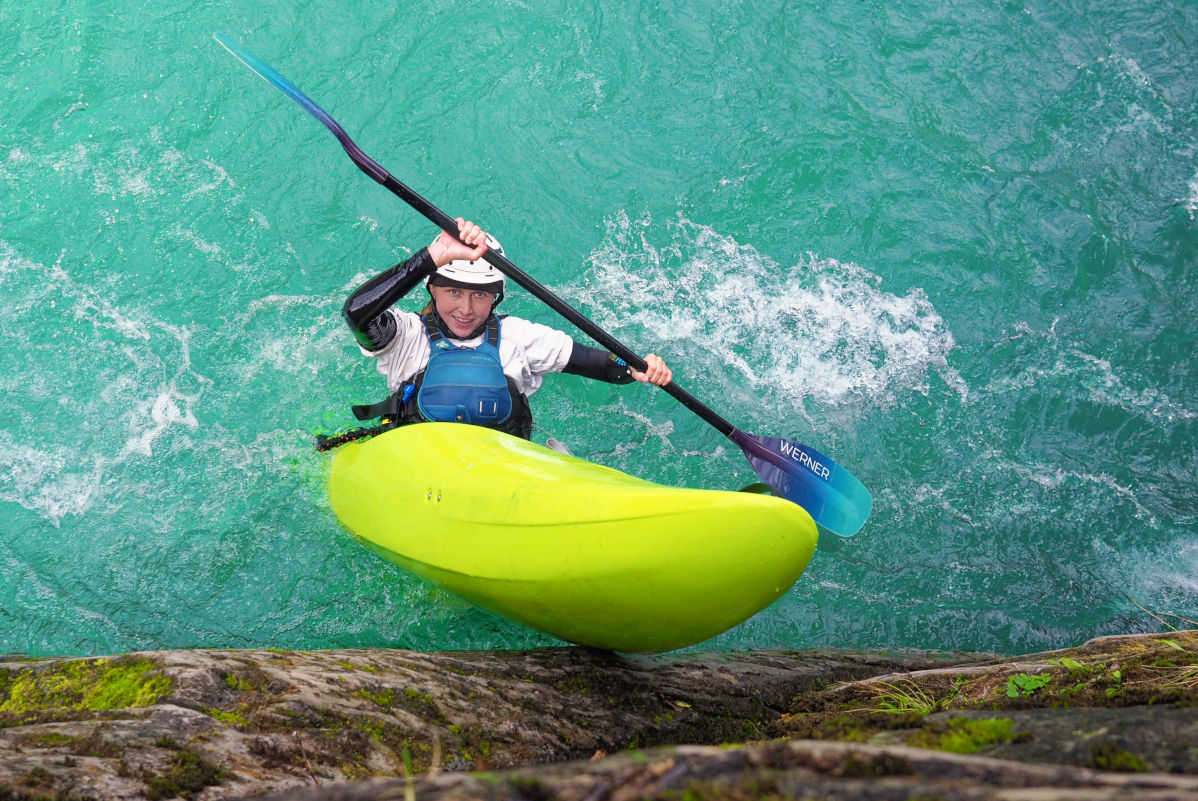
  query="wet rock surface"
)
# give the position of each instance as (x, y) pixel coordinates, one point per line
(801, 769)
(1117, 718)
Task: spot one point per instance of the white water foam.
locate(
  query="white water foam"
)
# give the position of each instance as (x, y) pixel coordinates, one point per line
(48, 480)
(219, 178)
(820, 329)
(170, 406)
(1093, 375)
(1190, 204)
(651, 430)
(1161, 580)
(1056, 479)
(120, 367)
(311, 337)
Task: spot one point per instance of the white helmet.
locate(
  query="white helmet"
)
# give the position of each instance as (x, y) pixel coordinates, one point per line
(478, 274)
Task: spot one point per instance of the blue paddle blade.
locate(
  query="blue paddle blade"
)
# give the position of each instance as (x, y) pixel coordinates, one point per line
(833, 497)
(267, 73)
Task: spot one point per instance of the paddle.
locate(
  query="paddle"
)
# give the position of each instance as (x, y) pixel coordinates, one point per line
(833, 497)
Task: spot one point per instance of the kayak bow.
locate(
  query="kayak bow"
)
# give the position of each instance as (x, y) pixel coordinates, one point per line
(583, 552)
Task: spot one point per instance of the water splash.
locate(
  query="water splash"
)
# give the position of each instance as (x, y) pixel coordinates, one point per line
(1190, 204)
(47, 479)
(118, 367)
(1049, 358)
(826, 330)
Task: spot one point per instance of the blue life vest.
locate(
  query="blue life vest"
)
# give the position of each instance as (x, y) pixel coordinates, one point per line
(462, 384)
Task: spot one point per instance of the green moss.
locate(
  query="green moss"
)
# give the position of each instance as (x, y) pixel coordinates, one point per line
(186, 775)
(1108, 756)
(251, 683)
(371, 728)
(54, 739)
(575, 685)
(99, 684)
(843, 728)
(846, 726)
(384, 697)
(228, 718)
(964, 736)
(422, 705)
(468, 742)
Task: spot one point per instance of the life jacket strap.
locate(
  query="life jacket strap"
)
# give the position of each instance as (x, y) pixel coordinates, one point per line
(369, 411)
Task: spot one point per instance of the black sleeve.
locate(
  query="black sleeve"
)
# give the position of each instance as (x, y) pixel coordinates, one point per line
(597, 364)
(366, 309)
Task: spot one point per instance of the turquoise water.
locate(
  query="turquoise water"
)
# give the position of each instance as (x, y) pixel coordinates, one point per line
(952, 245)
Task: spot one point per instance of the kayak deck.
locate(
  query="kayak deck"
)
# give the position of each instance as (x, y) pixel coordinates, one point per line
(583, 552)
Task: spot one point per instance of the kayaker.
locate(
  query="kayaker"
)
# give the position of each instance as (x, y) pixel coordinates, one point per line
(458, 361)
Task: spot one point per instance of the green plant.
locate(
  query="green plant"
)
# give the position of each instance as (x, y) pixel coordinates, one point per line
(1182, 677)
(1116, 687)
(1072, 665)
(905, 697)
(1173, 644)
(1024, 684)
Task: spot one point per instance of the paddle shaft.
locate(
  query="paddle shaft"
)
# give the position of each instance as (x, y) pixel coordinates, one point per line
(539, 290)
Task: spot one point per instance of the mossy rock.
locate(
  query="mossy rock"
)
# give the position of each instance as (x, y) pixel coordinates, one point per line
(965, 735)
(83, 685)
(1108, 756)
(186, 774)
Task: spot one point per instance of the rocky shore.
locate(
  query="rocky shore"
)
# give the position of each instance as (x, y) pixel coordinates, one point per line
(1114, 718)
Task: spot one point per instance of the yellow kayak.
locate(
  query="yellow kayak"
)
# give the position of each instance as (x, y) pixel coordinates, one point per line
(583, 552)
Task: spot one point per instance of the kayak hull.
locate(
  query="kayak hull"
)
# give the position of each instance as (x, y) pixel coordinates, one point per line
(583, 552)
